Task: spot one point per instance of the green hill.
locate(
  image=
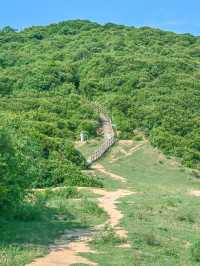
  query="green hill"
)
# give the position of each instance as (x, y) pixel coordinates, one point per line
(147, 78)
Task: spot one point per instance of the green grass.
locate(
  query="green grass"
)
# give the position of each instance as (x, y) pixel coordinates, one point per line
(162, 220)
(41, 221)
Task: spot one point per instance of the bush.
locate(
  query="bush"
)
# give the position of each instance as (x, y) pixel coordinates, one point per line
(91, 207)
(13, 179)
(60, 171)
(29, 212)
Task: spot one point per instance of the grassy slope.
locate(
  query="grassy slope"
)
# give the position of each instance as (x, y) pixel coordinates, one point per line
(162, 221)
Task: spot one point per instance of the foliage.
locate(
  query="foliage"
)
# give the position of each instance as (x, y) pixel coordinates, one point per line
(147, 78)
(161, 219)
(15, 172)
(51, 123)
(150, 79)
(42, 219)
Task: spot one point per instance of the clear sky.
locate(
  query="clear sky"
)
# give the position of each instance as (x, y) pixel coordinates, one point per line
(175, 15)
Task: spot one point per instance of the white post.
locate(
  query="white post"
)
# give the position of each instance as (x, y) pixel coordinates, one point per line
(82, 137)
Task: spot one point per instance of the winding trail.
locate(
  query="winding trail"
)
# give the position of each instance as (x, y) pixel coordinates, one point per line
(66, 256)
(66, 251)
(108, 202)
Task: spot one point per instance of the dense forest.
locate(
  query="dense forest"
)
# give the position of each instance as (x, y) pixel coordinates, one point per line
(148, 79)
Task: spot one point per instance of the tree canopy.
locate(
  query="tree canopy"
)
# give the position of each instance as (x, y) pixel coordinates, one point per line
(147, 78)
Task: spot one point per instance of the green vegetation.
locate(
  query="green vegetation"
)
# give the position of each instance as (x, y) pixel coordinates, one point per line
(15, 171)
(107, 237)
(162, 219)
(50, 123)
(43, 219)
(148, 80)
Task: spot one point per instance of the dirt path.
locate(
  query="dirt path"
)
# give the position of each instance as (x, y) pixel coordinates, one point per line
(99, 167)
(130, 152)
(67, 255)
(108, 201)
(195, 193)
(66, 251)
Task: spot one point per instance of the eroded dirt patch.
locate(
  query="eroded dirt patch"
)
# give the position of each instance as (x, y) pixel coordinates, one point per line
(126, 142)
(195, 193)
(99, 167)
(127, 153)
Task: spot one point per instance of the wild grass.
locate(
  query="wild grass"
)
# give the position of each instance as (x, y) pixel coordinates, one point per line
(41, 220)
(107, 236)
(162, 220)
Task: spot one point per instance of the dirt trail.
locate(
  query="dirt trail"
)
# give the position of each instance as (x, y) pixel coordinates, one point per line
(99, 167)
(130, 152)
(66, 256)
(195, 193)
(66, 251)
(108, 202)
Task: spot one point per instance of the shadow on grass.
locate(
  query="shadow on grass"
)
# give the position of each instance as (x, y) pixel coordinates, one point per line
(41, 231)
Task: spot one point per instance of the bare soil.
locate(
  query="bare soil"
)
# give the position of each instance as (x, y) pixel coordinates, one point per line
(195, 193)
(99, 167)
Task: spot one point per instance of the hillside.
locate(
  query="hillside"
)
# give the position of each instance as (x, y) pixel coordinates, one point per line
(147, 214)
(147, 78)
(138, 204)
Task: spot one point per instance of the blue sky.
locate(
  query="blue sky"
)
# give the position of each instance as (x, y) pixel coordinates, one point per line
(175, 15)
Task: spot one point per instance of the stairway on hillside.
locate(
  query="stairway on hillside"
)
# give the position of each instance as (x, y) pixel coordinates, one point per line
(108, 132)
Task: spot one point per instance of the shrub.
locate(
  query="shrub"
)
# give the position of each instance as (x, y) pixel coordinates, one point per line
(29, 212)
(13, 179)
(60, 171)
